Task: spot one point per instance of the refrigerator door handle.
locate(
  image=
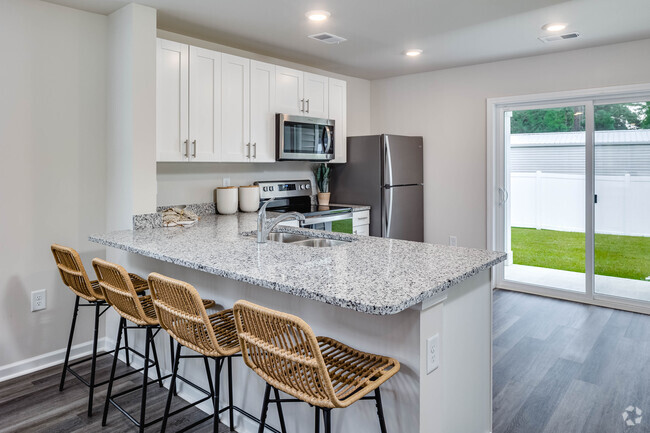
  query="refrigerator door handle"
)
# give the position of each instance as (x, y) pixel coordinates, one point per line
(389, 163)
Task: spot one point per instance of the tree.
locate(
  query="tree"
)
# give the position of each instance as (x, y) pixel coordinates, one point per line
(606, 118)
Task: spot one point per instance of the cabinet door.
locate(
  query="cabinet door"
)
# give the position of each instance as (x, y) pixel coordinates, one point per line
(289, 91)
(338, 112)
(205, 105)
(235, 108)
(262, 112)
(316, 96)
(171, 101)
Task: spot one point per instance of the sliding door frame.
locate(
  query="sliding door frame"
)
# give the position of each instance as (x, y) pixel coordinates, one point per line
(496, 171)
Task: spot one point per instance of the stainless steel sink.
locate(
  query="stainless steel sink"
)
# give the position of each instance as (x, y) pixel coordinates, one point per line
(320, 243)
(286, 238)
(303, 241)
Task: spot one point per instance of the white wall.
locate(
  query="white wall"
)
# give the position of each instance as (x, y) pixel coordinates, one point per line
(180, 183)
(448, 108)
(52, 175)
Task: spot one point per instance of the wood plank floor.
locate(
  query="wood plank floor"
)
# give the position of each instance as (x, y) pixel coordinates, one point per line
(563, 367)
(33, 403)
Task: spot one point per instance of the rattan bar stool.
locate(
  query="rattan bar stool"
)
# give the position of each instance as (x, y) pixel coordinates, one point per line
(75, 278)
(119, 292)
(283, 350)
(181, 313)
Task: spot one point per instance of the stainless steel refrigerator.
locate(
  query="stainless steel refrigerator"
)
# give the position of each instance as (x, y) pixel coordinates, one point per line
(385, 172)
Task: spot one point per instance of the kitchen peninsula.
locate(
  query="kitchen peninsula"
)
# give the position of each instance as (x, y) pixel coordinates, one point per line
(378, 295)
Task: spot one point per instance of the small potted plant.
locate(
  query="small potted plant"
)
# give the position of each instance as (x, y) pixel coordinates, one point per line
(322, 173)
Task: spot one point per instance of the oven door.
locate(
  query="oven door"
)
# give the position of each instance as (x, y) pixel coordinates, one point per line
(304, 138)
(339, 223)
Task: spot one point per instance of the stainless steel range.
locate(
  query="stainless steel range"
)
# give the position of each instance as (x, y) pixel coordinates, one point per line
(295, 196)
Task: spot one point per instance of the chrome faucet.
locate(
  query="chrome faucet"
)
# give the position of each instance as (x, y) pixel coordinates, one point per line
(264, 228)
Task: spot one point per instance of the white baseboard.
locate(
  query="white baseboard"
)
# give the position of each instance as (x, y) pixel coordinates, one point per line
(46, 360)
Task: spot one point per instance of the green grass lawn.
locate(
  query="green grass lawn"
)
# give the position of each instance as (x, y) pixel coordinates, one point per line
(616, 256)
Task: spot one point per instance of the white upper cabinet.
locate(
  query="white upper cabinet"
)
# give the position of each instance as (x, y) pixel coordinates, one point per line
(235, 108)
(262, 109)
(213, 106)
(172, 137)
(289, 91)
(205, 105)
(316, 96)
(338, 112)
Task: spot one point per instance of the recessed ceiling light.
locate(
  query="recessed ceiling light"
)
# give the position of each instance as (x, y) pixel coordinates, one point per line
(318, 15)
(554, 27)
(413, 53)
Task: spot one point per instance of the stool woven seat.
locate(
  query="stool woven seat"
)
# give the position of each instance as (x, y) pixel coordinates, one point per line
(285, 352)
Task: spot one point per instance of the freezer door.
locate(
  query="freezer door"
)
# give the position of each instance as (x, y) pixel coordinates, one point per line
(402, 160)
(403, 213)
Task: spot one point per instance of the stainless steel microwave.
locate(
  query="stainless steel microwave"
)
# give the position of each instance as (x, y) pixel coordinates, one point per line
(301, 138)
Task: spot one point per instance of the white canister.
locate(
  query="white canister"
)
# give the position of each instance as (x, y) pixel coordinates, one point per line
(227, 200)
(249, 198)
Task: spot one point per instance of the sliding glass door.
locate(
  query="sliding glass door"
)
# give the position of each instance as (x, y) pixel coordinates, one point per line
(622, 200)
(545, 172)
(572, 197)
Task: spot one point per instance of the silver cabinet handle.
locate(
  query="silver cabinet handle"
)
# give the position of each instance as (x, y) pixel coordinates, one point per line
(362, 218)
(187, 148)
(302, 105)
(194, 152)
(307, 105)
(248, 154)
(254, 150)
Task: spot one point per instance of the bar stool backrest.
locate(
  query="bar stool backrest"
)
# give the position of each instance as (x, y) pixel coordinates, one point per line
(73, 273)
(283, 350)
(119, 292)
(181, 312)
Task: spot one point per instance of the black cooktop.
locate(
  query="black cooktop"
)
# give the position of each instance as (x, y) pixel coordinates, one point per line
(311, 210)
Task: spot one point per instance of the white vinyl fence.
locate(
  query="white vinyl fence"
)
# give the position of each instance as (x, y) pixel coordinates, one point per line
(557, 202)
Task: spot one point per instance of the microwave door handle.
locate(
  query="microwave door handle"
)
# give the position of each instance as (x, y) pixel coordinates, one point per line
(329, 140)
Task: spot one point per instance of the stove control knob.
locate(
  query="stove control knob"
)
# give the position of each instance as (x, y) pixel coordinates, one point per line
(270, 188)
(307, 186)
(265, 189)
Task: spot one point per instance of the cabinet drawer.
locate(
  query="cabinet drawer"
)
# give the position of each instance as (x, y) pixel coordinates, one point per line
(361, 218)
(363, 230)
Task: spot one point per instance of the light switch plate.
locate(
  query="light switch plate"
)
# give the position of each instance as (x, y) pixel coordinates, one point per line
(433, 353)
(453, 241)
(226, 181)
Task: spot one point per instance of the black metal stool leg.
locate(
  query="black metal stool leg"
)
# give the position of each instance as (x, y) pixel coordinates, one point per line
(380, 411)
(155, 360)
(317, 419)
(265, 408)
(113, 367)
(145, 379)
(172, 388)
(126, 347)
(327, 419)
(206, 363)
(231, 416)
(67, 352)
(93, 363)
(280, 414)
(218, 362)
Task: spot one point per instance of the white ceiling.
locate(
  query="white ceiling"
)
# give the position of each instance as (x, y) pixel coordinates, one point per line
(451, 32)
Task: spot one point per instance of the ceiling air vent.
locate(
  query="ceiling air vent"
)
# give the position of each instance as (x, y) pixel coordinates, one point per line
(557, 38)
(328, 38)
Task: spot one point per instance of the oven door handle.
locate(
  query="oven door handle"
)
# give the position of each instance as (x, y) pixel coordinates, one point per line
(326, 219)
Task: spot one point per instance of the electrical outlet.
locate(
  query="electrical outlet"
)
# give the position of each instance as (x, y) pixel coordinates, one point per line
(39, 300)
(433, 353)
(226, 181)
(453, 241)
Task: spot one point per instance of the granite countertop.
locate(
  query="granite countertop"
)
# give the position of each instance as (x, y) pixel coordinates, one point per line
(370, 275)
